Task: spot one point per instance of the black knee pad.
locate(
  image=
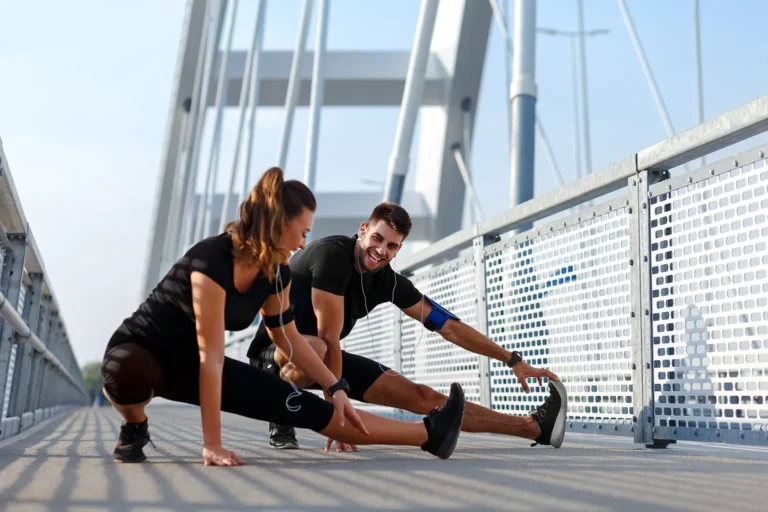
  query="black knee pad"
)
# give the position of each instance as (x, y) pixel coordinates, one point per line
(131, 374)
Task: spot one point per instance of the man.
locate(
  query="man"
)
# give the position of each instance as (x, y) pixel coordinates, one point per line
(338, 280)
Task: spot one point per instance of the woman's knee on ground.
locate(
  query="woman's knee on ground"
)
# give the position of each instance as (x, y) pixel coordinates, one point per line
(130, 374)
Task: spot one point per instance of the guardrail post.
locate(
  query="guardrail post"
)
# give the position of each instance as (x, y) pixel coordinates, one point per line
(481, 303)
(13, 271)
(642, 307)
(43, 329)
(51, 343)
(24, 352)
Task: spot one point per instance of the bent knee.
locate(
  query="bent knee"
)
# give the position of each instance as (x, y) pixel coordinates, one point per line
(130, 374)
(318, 345)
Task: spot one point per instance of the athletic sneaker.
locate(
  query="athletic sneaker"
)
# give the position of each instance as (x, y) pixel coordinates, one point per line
(282, 437)
(133, 437)
(444, 424)
(550, 416)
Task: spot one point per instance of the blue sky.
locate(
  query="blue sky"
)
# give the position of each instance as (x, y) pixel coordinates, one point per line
(87, 83)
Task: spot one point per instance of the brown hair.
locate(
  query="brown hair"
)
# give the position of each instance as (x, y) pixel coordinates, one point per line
(394, 215)
(271, 203)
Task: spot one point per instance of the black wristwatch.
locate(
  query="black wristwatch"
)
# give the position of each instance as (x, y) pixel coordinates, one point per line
(516, 358)
(342, 385)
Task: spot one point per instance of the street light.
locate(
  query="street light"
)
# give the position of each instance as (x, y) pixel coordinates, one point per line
(572, 35)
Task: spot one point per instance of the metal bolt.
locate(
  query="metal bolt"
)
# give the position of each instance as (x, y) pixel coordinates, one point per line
(615, 428)
(650, 194)
(639, 180)
(634, 183)
(645, 205)
(645, 259)
(690, 179)
(669, 187)
(632, 314)
(647, 312)
(629, 210)
(712, 172)
(594, 213)
(760, 154)
(634, 366)
(736, 164)
(634, 418)
(631, 262)
(647, 366)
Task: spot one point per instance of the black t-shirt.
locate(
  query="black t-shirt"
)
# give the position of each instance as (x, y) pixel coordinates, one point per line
(328, 264)
(165, 322)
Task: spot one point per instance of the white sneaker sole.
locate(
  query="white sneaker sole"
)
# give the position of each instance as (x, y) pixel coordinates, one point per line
(558, 429)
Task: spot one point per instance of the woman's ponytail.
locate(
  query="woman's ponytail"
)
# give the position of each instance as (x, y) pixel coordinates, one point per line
(271, 203)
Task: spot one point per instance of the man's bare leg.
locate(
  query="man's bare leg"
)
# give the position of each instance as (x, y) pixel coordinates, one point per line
(401, 393)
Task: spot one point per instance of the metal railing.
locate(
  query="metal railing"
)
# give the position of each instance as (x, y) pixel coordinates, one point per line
(651, 306)
(38, 371)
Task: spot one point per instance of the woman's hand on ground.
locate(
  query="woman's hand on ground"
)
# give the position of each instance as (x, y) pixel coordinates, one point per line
(217, 455)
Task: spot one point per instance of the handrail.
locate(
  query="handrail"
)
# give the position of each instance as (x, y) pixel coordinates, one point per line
(727, 129)
(23, 331)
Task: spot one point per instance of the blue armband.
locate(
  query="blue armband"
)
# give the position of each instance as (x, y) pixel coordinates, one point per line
(438, 316)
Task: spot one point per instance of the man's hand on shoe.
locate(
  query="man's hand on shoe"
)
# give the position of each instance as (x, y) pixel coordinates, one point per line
(523, 371)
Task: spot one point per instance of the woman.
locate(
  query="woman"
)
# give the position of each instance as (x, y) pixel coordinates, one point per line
(173, 345)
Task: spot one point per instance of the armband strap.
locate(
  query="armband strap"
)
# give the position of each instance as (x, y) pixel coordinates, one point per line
(438, 316)
(273, 321)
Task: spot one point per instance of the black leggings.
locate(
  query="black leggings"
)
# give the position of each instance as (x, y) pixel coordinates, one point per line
(133, 375)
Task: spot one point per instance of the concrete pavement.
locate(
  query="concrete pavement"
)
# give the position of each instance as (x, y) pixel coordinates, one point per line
(66, 465)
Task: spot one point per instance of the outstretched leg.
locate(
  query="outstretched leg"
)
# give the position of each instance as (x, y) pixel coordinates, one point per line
(401, 393)
(375, 384)
(256, 394)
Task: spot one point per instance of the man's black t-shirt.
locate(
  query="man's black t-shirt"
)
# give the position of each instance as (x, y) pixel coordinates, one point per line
(328, 264)
(165, 322)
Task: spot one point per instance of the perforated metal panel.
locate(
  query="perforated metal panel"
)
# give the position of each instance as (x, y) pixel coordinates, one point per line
(429, 359)
(709, 272)
(374, 336)
(562, 299)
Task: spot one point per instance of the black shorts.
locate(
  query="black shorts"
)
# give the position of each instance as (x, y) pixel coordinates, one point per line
(360, 372)
(133, 372)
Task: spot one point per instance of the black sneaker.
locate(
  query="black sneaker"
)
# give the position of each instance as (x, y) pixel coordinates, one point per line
(444, 424)
(133, 437)
(282, 437)
(550, 416)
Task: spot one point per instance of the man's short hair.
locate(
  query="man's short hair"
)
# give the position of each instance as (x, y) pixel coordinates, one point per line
(395, 216)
